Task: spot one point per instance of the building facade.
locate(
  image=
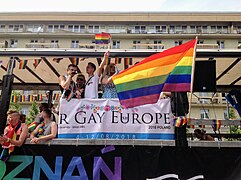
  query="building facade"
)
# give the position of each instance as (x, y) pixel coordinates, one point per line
(128, 31)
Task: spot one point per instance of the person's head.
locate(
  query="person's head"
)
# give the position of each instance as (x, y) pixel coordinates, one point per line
(72, 69)
(43, 106)
(110, 69)
(199, 133)
(90, 68)
(46, 114)
(13, 117)
(22, 118)
(80, 79)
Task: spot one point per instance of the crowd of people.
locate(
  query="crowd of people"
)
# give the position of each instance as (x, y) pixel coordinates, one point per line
(88, 87)
(44, 127)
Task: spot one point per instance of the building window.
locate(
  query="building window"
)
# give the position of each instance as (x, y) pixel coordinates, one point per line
(74, 44)
(2, 28)
(204, 114)
(225, 114)
(77, 28)
(15, 28)
(54, 44)
(33, 43)
(116, 44)
(135, 44)
(55, 27)
(200, 42)
(35, 28)
(116, 29)
(159, 44)
(220, 44)
(180, 29)
(140, 29)
(13, 43)
(172, 30)
(94, 29)
(178, 43)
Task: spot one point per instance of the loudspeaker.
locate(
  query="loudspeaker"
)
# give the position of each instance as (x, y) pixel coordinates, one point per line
(205, 76)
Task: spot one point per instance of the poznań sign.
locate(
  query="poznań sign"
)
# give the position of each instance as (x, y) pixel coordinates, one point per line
(106, 118)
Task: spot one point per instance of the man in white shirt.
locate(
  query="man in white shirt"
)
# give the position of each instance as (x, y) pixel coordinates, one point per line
(91, 86)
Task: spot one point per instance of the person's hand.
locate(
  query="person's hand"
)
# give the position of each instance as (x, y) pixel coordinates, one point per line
(107, 54)
(34, 140)
(78, 94)
(3, 138)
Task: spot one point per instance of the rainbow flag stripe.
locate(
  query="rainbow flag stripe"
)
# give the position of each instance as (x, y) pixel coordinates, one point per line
(128, 61)
(32, 126)
(74, 60)
(168, 71)
(102, 38)
(23, 64)
(117, 60)
(216, 125)
(36, 62)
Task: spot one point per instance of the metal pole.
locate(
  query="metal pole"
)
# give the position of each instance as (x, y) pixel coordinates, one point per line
(6, 94)
(50, 98)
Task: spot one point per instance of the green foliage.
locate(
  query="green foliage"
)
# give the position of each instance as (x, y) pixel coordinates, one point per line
(15, 106)
(33, 111)
(234, 129)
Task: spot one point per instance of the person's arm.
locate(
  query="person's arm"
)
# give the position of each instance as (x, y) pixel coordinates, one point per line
(22, 137)
(103, 63)
(35, 132)
(53, 133)
(107, 80)
(65, 83)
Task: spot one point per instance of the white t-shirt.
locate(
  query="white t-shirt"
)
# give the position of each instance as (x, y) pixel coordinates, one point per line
(91, 87)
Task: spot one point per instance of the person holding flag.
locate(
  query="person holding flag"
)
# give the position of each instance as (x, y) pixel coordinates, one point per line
(108, 86)
(14, 134)
(91, 85)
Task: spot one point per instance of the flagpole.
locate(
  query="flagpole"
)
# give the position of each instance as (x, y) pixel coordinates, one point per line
(192, 78)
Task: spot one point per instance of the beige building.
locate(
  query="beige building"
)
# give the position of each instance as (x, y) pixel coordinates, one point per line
(130, 32)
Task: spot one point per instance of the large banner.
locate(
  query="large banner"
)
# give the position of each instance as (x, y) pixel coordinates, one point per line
(62, 162)
(101, 118)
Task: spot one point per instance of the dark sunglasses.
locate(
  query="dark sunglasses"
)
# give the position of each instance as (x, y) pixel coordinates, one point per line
(80, 79)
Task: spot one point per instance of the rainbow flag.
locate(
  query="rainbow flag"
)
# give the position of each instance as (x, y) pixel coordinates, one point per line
(74, 60)
(23, 64)
(216, 125)
(128, 61)
(117, 60)
(36, 62)
(168, 71)
(40, 97)
(102, 38)
(32, 126)
(14, 98)
(22, 98)
(179, 121)
(57, 60)
(30, 98)
(56, 97)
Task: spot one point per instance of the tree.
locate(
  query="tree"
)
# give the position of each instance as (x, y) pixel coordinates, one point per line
(234, 129)
(33, 111)
(15, 105)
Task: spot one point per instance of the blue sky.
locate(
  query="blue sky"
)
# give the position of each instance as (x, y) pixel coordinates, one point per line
(120, 5)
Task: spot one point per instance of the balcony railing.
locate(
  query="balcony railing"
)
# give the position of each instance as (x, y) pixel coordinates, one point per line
(148, 46)
(42, 45)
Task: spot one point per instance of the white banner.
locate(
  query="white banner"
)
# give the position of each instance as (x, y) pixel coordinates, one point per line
(102, 118)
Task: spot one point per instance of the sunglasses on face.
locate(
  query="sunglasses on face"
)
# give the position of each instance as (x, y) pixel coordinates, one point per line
(80, 79)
